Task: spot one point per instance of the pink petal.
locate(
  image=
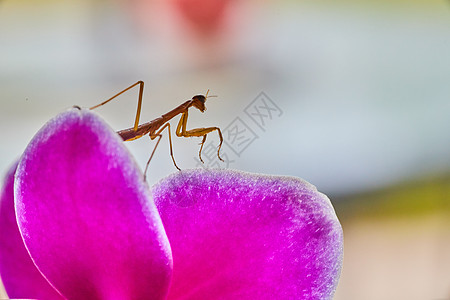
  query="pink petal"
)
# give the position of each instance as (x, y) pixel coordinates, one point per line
(86, 215)
(243, 236)
(20, 276)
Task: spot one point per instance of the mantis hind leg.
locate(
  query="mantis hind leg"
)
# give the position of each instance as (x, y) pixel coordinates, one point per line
(141, 92)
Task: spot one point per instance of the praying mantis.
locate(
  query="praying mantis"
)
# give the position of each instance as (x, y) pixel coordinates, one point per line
(155, 127)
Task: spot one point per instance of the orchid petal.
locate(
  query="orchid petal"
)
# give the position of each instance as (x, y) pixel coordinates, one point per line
(87, 216)
(20, 276)
(236, 235)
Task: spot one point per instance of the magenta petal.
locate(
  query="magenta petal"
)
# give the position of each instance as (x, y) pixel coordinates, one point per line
(20, 276)
(86, 215)
(244, 236)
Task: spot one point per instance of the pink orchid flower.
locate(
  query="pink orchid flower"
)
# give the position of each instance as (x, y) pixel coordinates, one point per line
(88, 227)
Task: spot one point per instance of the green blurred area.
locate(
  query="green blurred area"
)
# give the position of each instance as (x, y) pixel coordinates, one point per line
(396, 241)
(411, 199)
(387, 3)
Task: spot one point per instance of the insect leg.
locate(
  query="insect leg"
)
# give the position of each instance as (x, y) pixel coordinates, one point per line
(201, 147)
(182, 132)
(141, 92)
(159, 136)
(153, 152)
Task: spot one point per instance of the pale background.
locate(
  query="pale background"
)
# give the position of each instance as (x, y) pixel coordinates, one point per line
(363, 87)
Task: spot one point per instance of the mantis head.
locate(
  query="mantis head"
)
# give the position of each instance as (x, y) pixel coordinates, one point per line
(198, 101)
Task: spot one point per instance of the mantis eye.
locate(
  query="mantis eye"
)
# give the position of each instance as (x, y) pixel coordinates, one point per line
(200, 98)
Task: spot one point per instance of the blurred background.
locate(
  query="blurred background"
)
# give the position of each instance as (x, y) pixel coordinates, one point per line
(352, 95)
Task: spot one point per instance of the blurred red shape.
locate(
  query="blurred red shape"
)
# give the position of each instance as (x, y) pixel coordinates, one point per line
(205, 16)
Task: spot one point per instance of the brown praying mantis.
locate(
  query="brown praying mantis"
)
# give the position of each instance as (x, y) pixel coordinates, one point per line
(155, 127)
